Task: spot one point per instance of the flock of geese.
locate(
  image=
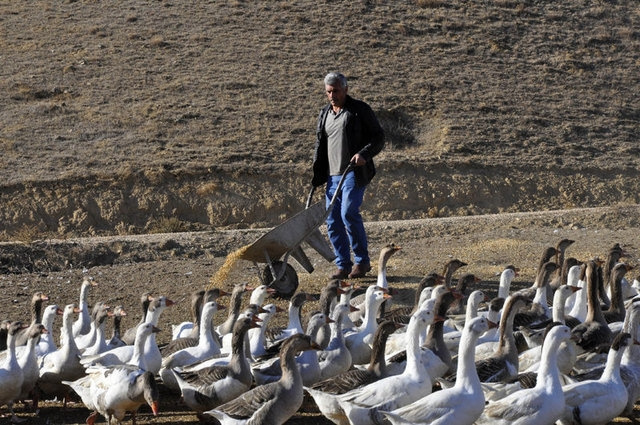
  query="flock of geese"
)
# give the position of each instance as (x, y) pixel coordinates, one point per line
(563, 351)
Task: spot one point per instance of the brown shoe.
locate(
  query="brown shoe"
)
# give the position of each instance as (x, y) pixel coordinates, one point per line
(340, 274)
(359, 270)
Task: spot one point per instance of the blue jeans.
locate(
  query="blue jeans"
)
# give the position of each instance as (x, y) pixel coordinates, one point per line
(344, 223)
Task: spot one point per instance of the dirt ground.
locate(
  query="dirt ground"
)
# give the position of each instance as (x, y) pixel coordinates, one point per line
(176, 264)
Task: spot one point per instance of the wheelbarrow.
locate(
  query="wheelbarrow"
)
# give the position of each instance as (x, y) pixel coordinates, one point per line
(284, 241)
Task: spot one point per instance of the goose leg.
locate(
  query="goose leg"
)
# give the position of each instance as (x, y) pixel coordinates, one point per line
(91, 420)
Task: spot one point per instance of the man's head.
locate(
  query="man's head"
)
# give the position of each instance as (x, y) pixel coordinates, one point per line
(335, 85)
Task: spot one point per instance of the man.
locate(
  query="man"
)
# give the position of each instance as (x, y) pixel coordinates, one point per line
(348, 132)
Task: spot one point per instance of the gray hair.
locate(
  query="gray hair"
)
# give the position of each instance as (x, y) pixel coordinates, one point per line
(335, 77)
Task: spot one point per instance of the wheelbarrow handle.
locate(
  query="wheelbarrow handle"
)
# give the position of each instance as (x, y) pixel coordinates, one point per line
(350, 167)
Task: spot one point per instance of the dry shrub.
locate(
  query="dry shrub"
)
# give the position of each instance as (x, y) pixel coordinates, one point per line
(430, 4)
(26, 234)
(207, 189)
(167, 225)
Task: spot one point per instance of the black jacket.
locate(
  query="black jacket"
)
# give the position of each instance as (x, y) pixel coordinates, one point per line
(363, 134)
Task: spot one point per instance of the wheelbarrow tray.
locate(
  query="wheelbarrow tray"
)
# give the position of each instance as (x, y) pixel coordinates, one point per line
(288, 237)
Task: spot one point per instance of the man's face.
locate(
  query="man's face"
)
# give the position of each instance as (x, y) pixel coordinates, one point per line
(336, 94)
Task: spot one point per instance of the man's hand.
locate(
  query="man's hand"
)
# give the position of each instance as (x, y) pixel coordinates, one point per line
(358, 160)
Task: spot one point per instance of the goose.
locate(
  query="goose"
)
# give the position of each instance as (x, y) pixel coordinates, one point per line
(260, 293)
(613, 257)
(307, 361)
(28, 362)
(359, 340)
(336, 357)
(461, 404)
(576, 306)
(210, 387)
(538, 310)
(64, 363)
(11, 375)
(503, 364)
(206, 348)
(435, 357)
(493, 315)
(595, 402)
(294, 324)
(88, 339)
(559, 277)
(272, 403)
(190, 328)
(99, 345)
(543, 404)
(381, 281)
(257, 337)
(425, 288)
(529, 359)
(328, 298)
(458, 306)
(452, 339)
(128, 387)
(235, 304)
(82, 324)
(130, 334)
(36, 317)
(547, 255)
(594, 331)
(192, 340)
(449, 269)
(325, 392)
(47, 342)
(116, 340)
(630, 363)
(506, 278)
(362, 404)
(616, 312)
(122, 355)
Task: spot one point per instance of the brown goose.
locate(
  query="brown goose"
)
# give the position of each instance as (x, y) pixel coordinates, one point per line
(594, 331)
(559, 277)
(458, 305)
(328, 298)
(272, 403)
(539, 308)
(503, 365)
(616, 311)
(449, 269)
(613, 257)
(547, 255)
(130, 334)
(234, 308)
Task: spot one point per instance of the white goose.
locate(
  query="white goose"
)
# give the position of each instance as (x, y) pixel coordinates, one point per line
(460, 405)
(28, 362)
(452, 339)
(543, 404)
(576, 305)
(596, 402)
(47, 342)
(359, 340)
(210, 387)
(62, 364)
(257, 336)
(361, 405)
(206, 348)
(272, 403)
(114, 390)
(99, 345)
(506, 277)
(83, 323)
(11, 375)
(122, 355)
(294, 326)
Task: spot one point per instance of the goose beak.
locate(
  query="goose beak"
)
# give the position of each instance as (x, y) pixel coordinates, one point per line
(155, 329)
(437, 319)
(223, 293)
(271, 291)
(221, 307)
(329, 320)
(154, 408)
(59, 312)
(386, 296)
(353, 308)
(574, 288)
(492, 325)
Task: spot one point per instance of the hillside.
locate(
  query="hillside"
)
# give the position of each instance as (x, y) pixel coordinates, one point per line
(170, 116)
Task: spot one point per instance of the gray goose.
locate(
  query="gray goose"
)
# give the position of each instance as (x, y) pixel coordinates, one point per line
(539, 308)
(36, 317)
(402, 314)
(503, 365)
(116, 339)
(328, 298)
(616, 310)
(613, 257)
(294, 326)
(458, 305)
(235, 304)
(594, 331)
(449, 269)
(272, 403)
(130, 334)
(547, 255)
(210, 387)
(559, 276)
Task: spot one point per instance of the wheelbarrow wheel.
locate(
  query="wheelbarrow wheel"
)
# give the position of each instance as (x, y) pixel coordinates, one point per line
(285, 286)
